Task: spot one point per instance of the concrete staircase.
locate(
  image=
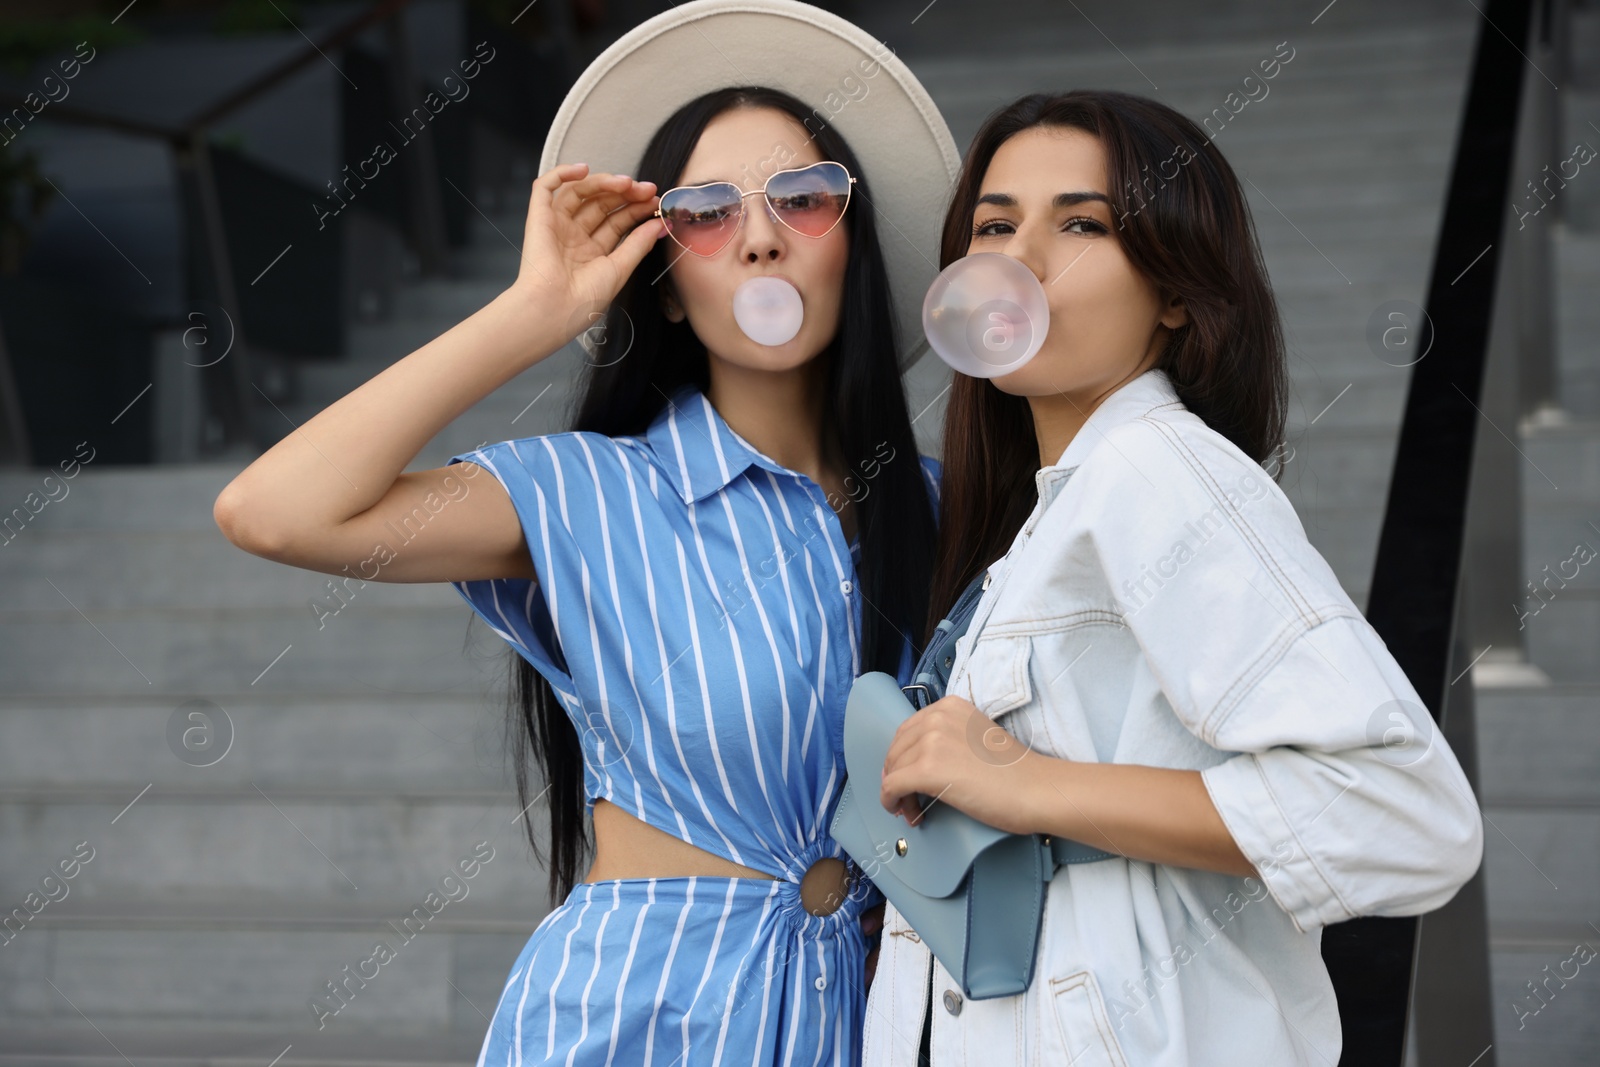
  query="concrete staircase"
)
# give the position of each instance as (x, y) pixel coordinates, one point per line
(265, 795)
(1539, 745)
(366, 755)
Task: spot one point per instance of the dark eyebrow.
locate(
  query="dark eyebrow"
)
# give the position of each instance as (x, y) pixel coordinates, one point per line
(1061, 199)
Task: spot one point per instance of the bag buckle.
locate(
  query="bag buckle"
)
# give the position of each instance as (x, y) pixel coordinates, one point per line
(916, 703)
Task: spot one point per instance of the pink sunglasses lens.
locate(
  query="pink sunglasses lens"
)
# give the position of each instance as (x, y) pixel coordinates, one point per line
(702, 219)
(811, 200)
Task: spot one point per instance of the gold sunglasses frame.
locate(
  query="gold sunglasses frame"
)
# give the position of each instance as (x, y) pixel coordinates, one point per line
(849, 191)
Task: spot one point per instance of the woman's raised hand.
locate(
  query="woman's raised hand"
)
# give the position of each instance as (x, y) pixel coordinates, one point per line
(583, 238)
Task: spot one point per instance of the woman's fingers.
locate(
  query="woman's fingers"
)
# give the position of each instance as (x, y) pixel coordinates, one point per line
(541, 198)
(906, 750)
(621, 222)
(906, 735)
(896, 794)
(630, 252)
(549, 184)
(579, 186)
(572, 194)
(596, 209)
(909, 808)
(593, 210)
(556, 176)
(890, 794)
(589, 202)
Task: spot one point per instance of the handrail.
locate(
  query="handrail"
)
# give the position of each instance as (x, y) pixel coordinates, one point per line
(227, 399)
(82, 116)
(245, 94)
(311, 52)
(1415, 603)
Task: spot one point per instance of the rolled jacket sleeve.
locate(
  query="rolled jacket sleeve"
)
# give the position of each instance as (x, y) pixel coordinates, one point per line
(1341, 790)
(1345, 796)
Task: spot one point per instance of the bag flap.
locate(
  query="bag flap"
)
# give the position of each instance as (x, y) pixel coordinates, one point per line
(986, 936)
(944, 841)
(941, 922)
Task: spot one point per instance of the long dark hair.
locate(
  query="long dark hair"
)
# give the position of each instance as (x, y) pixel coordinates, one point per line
(865, 407)
(1191, 234)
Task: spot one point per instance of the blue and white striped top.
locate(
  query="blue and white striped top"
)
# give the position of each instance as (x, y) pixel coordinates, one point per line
(700, 622)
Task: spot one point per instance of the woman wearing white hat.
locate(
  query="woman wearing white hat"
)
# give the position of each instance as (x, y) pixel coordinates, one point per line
(737, 525)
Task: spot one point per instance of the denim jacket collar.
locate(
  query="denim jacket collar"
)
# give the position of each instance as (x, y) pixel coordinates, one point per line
(1150, 390)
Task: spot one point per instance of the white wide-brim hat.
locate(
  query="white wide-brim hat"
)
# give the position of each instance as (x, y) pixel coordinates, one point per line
(849, 79)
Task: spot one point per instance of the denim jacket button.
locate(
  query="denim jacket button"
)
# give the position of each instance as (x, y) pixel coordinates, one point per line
(952, 1002)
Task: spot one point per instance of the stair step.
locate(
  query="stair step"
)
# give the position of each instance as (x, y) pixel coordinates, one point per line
(1539, 746)
(429, 1003)
(1569, 457)
(1321, 63)
(460, 908)
(72, 1043)
(97, 571)
(1560, 550)
(133, 500)
(1542, 863)
(1561, 637)
(1563, 1029)
(260, 843)
(525, 406)
(325, 383)
(233, 650)
(395, 744)
(1372, 404)
(449, 298)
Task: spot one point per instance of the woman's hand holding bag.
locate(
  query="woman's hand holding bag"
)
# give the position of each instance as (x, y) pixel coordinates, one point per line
(952, 752)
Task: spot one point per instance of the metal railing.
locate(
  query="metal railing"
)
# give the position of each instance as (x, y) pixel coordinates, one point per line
(226, 395)
(1449, 557)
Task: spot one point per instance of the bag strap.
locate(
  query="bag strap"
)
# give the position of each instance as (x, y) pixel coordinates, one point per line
(1064, 850)
(933, 669)
(933, 675)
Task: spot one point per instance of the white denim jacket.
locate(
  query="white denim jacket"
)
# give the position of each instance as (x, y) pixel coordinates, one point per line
(1162, 606)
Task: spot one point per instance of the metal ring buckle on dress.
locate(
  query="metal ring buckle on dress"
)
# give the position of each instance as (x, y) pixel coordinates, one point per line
(825, 885)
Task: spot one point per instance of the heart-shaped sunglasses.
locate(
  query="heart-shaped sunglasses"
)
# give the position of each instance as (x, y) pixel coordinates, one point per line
(809, 200)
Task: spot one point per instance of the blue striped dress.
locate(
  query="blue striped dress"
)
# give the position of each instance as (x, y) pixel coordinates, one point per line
(700, 623)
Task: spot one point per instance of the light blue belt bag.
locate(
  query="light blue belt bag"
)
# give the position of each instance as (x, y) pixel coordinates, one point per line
(972, 892)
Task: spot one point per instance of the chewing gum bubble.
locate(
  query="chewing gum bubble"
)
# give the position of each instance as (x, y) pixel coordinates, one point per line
(768, 310)
(986, 315)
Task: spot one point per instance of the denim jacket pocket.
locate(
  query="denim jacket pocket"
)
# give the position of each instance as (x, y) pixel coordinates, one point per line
(1080, 1033)
(997, 673)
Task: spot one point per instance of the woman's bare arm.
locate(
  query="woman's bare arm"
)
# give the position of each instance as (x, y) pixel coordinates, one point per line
(476, 534)
(322, 497)
(1157, 814)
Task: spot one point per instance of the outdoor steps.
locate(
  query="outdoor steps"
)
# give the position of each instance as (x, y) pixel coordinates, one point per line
(208, 919)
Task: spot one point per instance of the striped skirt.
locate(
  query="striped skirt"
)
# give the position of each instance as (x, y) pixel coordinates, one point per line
(693, 970)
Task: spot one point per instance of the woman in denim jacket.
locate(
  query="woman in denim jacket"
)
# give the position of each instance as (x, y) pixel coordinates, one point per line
(1161, 665)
